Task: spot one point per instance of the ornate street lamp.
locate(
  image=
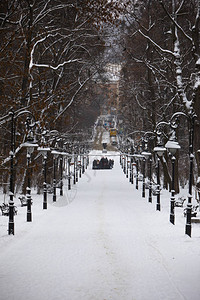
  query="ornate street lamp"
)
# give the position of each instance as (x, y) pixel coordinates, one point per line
(131, 169)
(143, 176)
(13, 116)
(30, 145)
(127, 164)
(124, 163)
(61, 172)
(69, 173)
(148, 156)
(77, 166)
(55, 154)
(137, 157)
(172, 147)
(159, 151)
(44, 151)
(191, 116)
(74, 162)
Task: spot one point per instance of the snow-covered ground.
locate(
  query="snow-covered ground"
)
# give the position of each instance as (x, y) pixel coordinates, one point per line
(100, 241)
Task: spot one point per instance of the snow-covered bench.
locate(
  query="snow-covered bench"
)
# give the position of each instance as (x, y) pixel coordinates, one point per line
(180, 201)
(23, 200)
(5, 209)
(193, 212)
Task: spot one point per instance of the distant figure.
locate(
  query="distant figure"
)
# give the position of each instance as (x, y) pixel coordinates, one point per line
(111, 163)
(104, 163)
(104, 145)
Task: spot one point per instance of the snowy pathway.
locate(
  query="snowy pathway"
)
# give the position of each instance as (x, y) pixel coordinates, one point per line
(101, 241)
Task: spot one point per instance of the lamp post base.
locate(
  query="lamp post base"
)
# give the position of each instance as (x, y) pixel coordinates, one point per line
(188, 229)
(11, 228)
(158, 206)
(29, 217)
(172, 219)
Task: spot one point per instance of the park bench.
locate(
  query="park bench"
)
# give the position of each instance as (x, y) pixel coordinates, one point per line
(179, 202)
(5, 209)
(23, 200)
(193, 212)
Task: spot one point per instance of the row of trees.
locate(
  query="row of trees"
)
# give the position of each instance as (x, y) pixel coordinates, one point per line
(50, 53)
(160, 75)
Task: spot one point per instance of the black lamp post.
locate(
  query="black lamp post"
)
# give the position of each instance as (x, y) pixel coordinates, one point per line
(127, 165)
(143, 180)
(61, 174)
(131, 170)
(138, 157)
(148, 156)
(69, 173)
(124, 163)
(44, 151)
(11, 193)
(83, 164)
(159, 151)
(191, 116)
(30, 145)
(55, 156)
(150, 178)
(188, 227)
(13, 117)
(172, 147)
(75, 161)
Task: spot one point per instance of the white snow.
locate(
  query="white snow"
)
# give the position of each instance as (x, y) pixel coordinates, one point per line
(100, 241)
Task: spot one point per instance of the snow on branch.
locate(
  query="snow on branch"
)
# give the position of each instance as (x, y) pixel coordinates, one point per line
(155, 44)
(58, 66)
(31, 64)
(175, 23)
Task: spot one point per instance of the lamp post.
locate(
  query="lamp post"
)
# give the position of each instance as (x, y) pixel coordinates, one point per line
(131, 170)
(61, 175)
(55, 156)
(44, 151)
(13, 116)
(69, 173)
(159, 151)
(127, 164)
(83, 161)
(188, 227)
(136, 181)
(11, 202)
(137, 157)
(143, 179)
(124, 163)
(191, 116)
(77, 168)
(148, 156)
(74, 156)
(172, 147)
(30, 145)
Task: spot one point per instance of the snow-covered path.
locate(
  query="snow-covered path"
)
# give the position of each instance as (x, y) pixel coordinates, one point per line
(101, 241)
